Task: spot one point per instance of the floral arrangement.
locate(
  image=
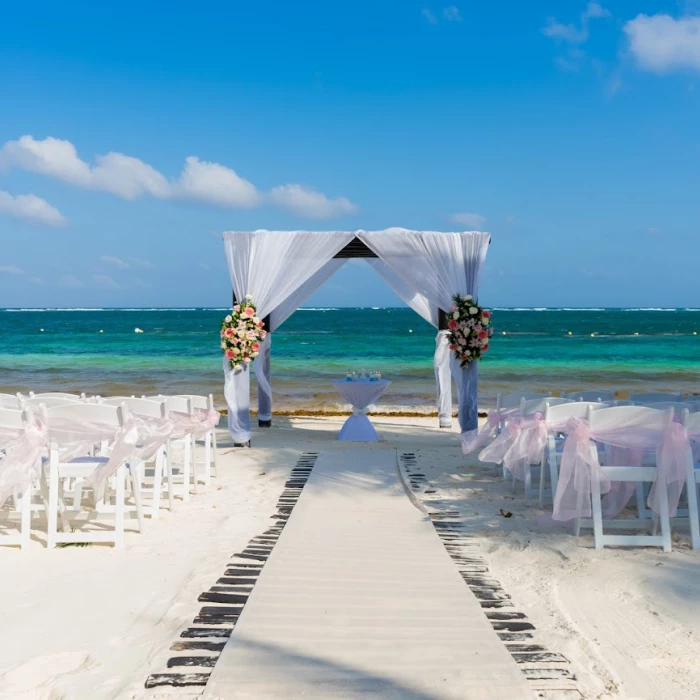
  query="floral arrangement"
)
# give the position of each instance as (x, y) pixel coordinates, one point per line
(470, 329)
(242, 334)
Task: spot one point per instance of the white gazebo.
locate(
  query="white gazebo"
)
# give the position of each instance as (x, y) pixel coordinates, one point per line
(282, 269)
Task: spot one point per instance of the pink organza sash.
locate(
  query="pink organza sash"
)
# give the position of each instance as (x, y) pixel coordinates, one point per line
(580, 465)
(473, 440)
(198, 423)
(20, 461)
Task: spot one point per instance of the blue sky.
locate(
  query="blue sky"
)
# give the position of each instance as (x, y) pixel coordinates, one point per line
(132, 134)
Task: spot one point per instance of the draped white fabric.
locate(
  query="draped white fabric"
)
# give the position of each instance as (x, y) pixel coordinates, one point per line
(277, 317)
(408, 294)
(438, 266)
(271, 266)
(430, 313)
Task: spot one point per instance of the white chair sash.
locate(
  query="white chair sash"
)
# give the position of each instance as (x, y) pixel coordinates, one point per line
(20, 463)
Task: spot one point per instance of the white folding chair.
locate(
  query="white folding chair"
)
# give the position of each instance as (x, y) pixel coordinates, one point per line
(11, 401)
(50, 401)
(149, 408)
(57, 395)
(645, 397)
(112, 417)
(18, 506)
(629, 415)
(592, 396)
(181, 404)
(205, 403)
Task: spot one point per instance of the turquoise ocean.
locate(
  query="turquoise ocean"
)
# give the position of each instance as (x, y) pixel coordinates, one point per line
(98, 351)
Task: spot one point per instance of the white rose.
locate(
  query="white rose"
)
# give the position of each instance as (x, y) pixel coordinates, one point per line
(468, 297)
(237, 366)
(228, 319)
(223, 345)
(249, 296)
(256, 319)
(455, 315)
(473, 310)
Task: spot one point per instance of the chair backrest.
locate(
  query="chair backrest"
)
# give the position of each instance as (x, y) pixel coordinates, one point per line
(529, 407)
(201, 402)
(654, 397)
(51, 401)
(679, 407)
(692, 423)
(56, 395)
(628, 416)
(12, 419)
(10, 401)
(593, 395)
(140, 407)
(90, 413)
(181, 404)
(563, 412)
(513, 400)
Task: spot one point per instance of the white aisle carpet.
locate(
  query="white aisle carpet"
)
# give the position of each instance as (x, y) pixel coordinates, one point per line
(360, 599)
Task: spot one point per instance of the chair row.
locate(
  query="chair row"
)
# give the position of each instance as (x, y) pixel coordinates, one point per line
(635, 452)
(67, 459)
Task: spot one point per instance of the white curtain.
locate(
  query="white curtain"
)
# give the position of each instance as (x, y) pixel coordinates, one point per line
(278, 316)
(438, 266)
(270, 266)
(429, 312)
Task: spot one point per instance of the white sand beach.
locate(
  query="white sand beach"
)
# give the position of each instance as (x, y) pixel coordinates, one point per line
(93, 622)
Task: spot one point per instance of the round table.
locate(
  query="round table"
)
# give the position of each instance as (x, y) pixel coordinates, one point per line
(360, 394)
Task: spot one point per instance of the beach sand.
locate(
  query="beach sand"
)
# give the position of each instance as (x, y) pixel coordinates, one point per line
(90, 622)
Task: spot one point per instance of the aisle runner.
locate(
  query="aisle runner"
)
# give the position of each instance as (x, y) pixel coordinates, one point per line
(359, 598)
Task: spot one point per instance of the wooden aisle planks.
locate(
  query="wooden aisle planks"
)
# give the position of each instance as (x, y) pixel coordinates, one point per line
(547, 672)
(201, 644)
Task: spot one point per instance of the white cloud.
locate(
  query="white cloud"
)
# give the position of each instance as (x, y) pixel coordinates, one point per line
(30, 208)
(142, 264)
(216, 184)
(115, 262)
(69, 281)
(662, 44)
(429, 15)
(452, 14)
(572, 33)
(128, 177)
(11, 270)
(204, 266)
(105, 281)
(36, 280)
(307, 202)
(475, 221)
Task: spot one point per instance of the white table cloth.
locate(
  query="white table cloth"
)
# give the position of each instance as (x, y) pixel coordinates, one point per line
(360, 394)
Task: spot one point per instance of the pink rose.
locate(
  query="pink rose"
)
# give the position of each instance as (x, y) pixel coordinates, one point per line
(246, 360)
(490, 332)
(228, 332)
(237, 308)
(255, 347)
(230, 354)
(482, 335)
(452, 325)
(485, 348)
(462, 341)
(249, 312)
(486, 314)
(453, 348)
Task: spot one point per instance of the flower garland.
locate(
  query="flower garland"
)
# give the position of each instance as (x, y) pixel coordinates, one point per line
(469, 329)
(242, 334)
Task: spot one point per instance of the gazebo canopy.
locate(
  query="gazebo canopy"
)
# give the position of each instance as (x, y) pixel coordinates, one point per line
(282, 269)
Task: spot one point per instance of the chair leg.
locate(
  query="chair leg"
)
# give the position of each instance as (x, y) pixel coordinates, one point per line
(691, 488)
(193, 461)
(597, 508)
(135, 473)
(186, 468)
(207, 459)
(26, 516)
(215, 468)
(119, 509)
(157, 484)
(52, 517)
(169, 475)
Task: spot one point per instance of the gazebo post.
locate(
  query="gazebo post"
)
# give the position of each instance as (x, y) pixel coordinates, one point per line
(265, 423)
(443, 378)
